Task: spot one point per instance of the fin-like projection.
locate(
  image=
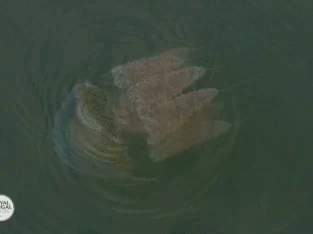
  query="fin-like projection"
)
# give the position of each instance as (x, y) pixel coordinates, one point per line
(163, 87)
(128, 74)
(196, 131)
(170, 116)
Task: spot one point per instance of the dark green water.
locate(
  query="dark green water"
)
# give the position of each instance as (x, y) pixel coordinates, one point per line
(258, 182)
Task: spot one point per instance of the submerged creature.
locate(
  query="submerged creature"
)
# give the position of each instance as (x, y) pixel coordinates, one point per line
(91, 126)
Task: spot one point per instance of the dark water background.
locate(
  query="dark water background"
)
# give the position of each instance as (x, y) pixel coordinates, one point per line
(264, 186)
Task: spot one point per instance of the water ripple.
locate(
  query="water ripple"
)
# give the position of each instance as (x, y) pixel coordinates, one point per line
(83, 43)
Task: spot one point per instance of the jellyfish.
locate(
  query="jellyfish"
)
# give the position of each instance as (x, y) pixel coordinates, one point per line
(150, 98)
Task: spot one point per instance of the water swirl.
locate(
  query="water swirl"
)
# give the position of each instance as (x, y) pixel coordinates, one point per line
(83, 42)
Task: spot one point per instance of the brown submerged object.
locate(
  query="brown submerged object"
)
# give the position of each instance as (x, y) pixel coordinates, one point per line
(90, 126)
